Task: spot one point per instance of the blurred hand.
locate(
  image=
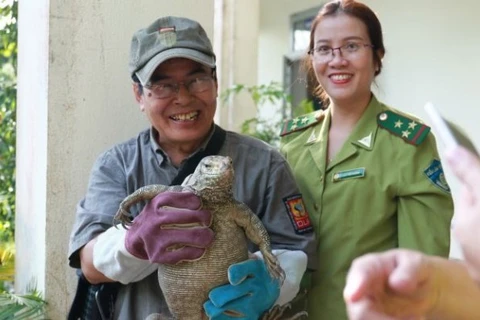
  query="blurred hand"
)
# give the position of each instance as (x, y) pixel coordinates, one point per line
(170, 229)
(397, 284)
(466, 223)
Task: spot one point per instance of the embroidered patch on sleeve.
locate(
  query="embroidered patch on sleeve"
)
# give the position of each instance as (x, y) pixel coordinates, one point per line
(298, 214)
(435, 174)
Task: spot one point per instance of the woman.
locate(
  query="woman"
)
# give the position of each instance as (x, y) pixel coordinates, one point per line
(370, 175)
(400, 284)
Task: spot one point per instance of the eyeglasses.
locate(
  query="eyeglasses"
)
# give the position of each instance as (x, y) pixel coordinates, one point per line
(193, 86)
(349, 50)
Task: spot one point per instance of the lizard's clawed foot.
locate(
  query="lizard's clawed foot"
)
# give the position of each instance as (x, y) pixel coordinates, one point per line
(276, 313)
(123, 216)
(273, 266)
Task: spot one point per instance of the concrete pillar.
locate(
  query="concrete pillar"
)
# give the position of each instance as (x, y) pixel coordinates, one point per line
(236, 45)
(74, 101)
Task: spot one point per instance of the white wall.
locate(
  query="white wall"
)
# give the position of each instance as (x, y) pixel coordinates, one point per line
(431, 55)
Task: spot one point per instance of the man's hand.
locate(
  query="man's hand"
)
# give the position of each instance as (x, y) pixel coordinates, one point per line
(397, 284)
(250, 293)
(170, 229)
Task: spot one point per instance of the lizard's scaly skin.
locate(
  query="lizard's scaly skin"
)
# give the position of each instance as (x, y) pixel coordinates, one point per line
(186, 285)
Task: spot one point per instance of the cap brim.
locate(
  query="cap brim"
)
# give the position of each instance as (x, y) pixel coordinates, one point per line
(145, 73)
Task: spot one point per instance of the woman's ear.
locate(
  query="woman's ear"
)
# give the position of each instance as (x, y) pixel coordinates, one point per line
(380, 54)
(378, 60)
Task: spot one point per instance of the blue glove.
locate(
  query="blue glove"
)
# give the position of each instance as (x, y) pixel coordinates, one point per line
(250, 293)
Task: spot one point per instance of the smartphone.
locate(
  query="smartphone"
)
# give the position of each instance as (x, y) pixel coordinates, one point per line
(448, 132)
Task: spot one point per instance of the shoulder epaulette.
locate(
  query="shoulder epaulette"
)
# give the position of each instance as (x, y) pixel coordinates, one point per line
(408, 129)
(301, 122)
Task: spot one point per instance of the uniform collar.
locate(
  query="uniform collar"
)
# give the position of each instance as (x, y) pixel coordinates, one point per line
(363, 135)
(365, 131)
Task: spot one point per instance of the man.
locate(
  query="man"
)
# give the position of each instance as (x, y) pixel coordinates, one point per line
(173, 68)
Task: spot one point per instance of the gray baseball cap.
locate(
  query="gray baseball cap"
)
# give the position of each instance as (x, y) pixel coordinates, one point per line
(167, 38)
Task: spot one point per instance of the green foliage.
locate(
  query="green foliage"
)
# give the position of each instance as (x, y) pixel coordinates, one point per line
(30, 306)
(267, 129)
(7, 264)
(16, 307)
(8, 92)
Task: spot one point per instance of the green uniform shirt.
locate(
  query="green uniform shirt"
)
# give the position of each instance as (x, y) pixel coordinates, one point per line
(384, 189)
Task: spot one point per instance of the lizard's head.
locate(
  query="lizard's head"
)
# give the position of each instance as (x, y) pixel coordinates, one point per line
(212, 173)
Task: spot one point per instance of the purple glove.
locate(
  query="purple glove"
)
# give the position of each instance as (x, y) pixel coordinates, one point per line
(170, 229)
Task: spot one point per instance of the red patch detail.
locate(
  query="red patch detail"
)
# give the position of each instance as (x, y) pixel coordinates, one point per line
(298, 214)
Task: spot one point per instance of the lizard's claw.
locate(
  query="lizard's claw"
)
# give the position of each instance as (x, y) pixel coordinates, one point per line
(276, 313)
(123, 216)
(273, 266)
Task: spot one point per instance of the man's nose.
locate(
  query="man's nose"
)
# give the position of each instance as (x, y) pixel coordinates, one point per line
(183, 95)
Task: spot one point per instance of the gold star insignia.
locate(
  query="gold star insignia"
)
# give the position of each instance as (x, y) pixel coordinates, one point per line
(405, 133)
(294, 126)
(294, 121)
(304, 120)
(398, 124)
(412, 125)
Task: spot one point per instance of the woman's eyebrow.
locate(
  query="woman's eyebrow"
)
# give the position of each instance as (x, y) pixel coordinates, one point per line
(344, 39)
(353, 38)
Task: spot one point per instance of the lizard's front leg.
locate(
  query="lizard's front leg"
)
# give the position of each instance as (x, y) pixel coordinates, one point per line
(257, 233)
(141, 194)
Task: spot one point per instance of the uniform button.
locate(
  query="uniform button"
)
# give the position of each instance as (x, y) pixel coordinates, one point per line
(315, 206)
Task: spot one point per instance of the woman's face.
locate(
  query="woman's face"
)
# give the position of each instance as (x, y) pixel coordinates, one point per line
(345, 74)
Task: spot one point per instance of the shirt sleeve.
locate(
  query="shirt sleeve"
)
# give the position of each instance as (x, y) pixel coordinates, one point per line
(425, 205)
(95, 212)
(285, 216)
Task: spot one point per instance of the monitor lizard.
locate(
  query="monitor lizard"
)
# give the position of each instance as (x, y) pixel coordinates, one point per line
(186, 285)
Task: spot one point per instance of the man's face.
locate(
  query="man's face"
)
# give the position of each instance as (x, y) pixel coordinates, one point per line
(184, 118)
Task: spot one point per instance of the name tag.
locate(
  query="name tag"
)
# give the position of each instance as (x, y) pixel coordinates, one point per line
(349, 174)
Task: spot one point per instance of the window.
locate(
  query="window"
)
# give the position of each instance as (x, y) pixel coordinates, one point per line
(295, 79)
